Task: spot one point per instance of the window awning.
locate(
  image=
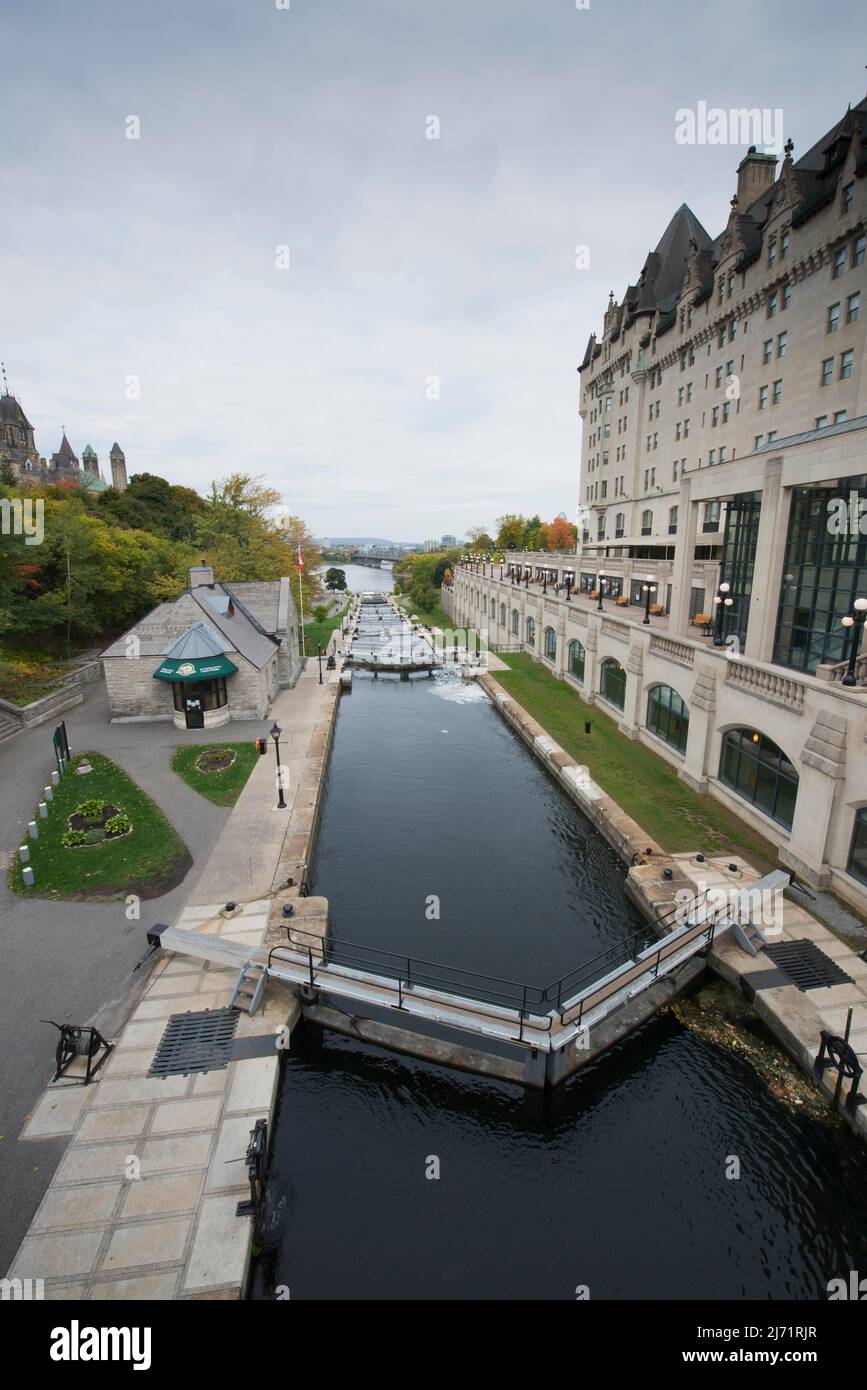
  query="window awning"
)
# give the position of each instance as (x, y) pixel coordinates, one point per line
(202, 669)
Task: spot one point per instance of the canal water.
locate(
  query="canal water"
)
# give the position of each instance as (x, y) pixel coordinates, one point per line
(617, 1179)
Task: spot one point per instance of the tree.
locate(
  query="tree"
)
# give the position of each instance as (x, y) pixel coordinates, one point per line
(510, 532)
(335, 579)
(7, 474)
(562, 535)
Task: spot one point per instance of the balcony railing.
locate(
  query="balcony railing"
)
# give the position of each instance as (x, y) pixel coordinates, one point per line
(770, 685)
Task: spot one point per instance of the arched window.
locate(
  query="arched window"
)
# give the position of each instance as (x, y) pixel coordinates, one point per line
(516, 622)
(531, 632)
(667, 716)
(550, 644)
(576, 660)
(493, 608)
(612, 684)
(619, 525)
(754, 767)
(646, 522)
(502, 615)
(672, 521)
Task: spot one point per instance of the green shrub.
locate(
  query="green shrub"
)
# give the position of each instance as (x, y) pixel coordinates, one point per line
(94, 836)
(71, 838)
(91, 809)
(118, 825)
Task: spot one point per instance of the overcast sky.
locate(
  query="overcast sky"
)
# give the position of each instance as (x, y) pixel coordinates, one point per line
(409, 258)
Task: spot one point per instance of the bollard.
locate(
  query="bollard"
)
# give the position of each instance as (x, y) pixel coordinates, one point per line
(24, 854)
(55, 779)
(33, 829)
(43, 810)
(48, 793)
(27, 875)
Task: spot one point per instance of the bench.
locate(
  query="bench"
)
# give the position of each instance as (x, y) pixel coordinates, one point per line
(622, 601)
(703, 621)
(656, 609)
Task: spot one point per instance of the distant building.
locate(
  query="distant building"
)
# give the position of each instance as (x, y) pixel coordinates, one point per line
(218, 652)
(117, 458)
(448, 542)
(18, 447)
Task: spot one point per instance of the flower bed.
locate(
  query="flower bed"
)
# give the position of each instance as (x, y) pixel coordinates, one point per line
(94, 822)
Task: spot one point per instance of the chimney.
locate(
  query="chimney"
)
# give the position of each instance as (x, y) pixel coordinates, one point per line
(201, 575)
(756, 172)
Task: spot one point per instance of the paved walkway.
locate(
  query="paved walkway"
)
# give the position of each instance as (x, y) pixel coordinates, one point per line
(143, 1204)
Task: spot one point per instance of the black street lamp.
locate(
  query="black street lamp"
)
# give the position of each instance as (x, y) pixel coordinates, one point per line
(319, 654)
(569, 583)
(856, 622)
(648, 588)
(276, 731)
(599, 593)
(544, 581)
(722, 601)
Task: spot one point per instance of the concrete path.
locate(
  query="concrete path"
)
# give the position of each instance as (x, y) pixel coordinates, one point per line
(144, 1203)
(69, 960)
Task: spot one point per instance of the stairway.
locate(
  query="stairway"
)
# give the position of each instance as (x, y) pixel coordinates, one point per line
(247, 995)
(746, 934)
(9, 725)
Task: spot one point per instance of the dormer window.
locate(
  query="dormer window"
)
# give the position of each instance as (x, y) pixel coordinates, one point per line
(784, 246)
(772, 251)
(848, 197)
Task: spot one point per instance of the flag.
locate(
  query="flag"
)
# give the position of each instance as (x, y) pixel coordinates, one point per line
(300, 559)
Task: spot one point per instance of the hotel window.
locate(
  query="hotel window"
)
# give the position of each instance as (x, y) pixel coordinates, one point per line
(619, 525)
(677, 430)
(714, 419)
(821, 421)
(858, 251)
(754, 767)
(777, 393)
(767, 352)
(787, 296)
(576, 660)
(857, 865)
(721, 290)
(550, 644)
(711, 457)
(782, 344)
(757, 442)
(646, 523)
(667, 716)
(839, 263)
(839, 417)
(502, 615)
(772, 436)
(726, 412)
(711, 516)
(604, 488)
(721, 337)
(689, 391)
(531, 632)
(827, 372)
(773, 304)
(784, 246)
(853, 305)
(833, 322)
(690, 357)
(680, 395)
(674, 471)
(763, 397)
(719, 376)
(733, 330)
(655, 438)
(848, 196)
(772, 251)
(516, 622)
(612, 685)
(845, 365)
(723, 454)
(686, 424)
(672, 521)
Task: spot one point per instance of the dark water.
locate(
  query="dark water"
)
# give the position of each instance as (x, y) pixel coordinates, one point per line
(615, 1180)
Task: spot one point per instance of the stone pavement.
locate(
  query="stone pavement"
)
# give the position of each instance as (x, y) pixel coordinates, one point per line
(143, 1203)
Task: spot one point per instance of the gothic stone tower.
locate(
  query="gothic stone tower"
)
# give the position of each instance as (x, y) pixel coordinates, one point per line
(118, 467)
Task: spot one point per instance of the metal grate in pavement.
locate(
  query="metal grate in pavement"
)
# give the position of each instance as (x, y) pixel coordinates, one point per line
(806, 966)
(199, 1041)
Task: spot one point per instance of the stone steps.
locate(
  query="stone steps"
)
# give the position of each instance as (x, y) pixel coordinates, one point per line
(9, 726)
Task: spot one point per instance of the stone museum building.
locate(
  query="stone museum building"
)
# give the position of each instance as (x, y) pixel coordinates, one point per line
(716, 603)
(218, 652)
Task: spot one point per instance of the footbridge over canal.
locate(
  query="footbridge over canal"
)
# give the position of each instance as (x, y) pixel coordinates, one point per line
(535, 1035)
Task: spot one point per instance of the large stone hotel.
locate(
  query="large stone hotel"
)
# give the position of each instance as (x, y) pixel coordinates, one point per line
(715, 605)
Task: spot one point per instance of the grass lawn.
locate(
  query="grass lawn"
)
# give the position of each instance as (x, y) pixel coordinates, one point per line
(645, 785)
(431, 617)
(222, 786)
(321, 632)
(148, 861)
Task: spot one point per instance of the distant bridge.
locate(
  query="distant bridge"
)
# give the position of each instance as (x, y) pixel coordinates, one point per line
(373, 562)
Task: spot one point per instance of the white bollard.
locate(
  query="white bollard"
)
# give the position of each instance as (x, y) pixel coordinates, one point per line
(48, 793)
(24, 854)
(33, 829)
(43, 810)
(27, 875)
(55, 779)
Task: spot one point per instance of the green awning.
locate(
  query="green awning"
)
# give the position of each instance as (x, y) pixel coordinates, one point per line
(204, 668)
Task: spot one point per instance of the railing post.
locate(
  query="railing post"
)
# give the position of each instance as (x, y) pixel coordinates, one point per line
(310, 962)
(408, 973)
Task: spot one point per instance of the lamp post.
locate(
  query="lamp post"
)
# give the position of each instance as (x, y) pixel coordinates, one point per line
(649, 588)
(855, 621)
(599, 588)
(722, 601)
(319, 654)
(569, 582)
(276, 731)
(544, 581)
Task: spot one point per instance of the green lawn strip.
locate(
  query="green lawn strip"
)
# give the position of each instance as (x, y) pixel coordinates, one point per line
(643, 784)
(321, 632)
(222, 787)
(148, 861)
(431, 617)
